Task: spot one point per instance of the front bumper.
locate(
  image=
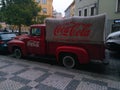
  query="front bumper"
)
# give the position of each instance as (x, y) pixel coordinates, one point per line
(3, 48)
(112, 46)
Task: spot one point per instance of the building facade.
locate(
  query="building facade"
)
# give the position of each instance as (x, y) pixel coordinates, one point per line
(95, 7)
(46, 7)
(67, 13)
(85, 7)
(70, 11)
(57, 14)
(112, 9)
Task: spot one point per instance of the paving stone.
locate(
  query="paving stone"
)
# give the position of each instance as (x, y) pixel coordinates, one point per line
(41, 69)
(45, 87)
(26, 88)
(57, 81)
(32, 84)
(12, 69)
(23, 65)
(31, 74)
(9, 76)
(34, 89)
(2, 73)
(112, 88)
(10, 85)
(43, 77)
(90, 86)
(95, 81)
(114, 84)
(2, 64)
(20, 80)
(8, 61)
(20, 71)
(65, 74)
(2, 79)
(72, 85)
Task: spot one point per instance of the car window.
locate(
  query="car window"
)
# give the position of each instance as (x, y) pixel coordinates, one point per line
(35, 31)
(7, 36)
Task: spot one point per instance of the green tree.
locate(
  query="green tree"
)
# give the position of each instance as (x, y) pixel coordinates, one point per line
(2, 10)
(40, 19)
(19, 12)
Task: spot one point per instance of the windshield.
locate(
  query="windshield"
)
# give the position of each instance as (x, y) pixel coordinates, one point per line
(7, 36)
(35, 32)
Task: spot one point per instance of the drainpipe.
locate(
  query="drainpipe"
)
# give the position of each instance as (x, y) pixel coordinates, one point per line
(97, 7)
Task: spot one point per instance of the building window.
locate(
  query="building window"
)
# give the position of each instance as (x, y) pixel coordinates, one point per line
(118, 6)
(92, 11)
(80, 13)
(85, 12)
(44, 1)
(44, 10)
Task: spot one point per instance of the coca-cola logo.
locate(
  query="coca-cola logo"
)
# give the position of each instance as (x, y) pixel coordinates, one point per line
(33, 43)
(73, 29)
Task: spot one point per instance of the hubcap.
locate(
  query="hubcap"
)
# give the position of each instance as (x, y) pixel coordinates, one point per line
(17, 53)
(68, 62)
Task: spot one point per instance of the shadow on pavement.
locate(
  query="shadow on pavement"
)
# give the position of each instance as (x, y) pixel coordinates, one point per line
(115, 55)
(91, 67)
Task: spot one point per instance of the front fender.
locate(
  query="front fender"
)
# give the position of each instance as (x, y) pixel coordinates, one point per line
(81, 53)
(17, 43)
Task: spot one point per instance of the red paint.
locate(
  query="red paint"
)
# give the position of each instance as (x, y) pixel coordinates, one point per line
(1, 42)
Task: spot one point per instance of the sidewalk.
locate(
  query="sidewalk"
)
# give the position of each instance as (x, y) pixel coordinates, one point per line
(19, 74)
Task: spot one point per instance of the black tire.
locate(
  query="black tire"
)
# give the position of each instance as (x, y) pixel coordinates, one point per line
(69, 61)
(17, 53)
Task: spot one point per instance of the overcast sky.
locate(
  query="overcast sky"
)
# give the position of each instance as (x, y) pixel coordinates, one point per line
(61, 5)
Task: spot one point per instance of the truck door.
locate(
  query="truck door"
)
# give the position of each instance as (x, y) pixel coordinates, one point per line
(36, 42)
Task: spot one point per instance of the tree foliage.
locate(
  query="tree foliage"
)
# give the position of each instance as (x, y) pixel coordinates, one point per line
(18, 12)
(40, 19)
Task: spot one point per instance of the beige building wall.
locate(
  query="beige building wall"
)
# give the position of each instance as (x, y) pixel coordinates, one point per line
(72, 8)
(46, 7)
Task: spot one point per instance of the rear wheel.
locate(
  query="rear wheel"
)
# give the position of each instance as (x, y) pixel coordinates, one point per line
(17, 53)
(69, 61)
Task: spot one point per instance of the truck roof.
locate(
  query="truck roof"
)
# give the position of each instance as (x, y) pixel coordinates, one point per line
(77, 29)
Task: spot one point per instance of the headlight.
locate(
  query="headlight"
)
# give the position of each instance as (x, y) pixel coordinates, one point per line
(5, 45)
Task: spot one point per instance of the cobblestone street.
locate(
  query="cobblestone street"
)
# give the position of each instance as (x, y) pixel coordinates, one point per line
(20, 74)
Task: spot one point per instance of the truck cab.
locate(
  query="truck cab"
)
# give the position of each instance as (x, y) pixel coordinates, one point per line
(34, 43)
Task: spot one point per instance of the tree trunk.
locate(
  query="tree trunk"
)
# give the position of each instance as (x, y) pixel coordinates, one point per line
(19, 29)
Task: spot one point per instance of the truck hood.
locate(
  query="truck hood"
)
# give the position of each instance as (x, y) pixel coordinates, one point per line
(22, 37)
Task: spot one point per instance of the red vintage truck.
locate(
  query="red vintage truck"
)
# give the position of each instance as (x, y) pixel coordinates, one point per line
(72, 41)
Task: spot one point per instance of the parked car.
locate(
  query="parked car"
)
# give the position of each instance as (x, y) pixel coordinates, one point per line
(4, 38)
(113, 41)
(17, 33)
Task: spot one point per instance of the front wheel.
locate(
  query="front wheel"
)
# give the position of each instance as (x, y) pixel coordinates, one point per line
(69, 61)
(17, 53)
